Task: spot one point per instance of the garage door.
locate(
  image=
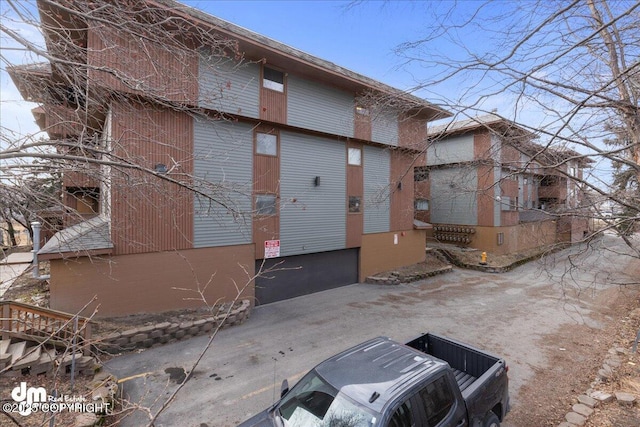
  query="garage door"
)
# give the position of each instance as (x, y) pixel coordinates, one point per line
(309, 273)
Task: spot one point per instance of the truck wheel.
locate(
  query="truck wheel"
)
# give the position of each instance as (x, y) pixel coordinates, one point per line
(491, 420)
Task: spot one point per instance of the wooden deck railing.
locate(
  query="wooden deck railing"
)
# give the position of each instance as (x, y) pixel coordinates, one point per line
(40, 324)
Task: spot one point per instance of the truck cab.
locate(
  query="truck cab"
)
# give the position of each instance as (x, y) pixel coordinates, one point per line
(379, 383)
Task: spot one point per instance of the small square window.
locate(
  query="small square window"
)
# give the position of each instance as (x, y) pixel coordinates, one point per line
(265, 204)
(273, 79)
(267, 144)
(421, 204)
(355, 156)
(355, 202)
(420, 173)
(362, 111)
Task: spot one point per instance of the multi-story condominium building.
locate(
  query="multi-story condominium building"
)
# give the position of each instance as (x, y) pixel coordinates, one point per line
(214, 153)
(486, 184)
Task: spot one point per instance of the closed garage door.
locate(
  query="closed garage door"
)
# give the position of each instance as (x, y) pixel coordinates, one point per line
(309, 273)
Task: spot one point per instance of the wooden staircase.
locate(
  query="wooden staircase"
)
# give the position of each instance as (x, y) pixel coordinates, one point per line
(38, 340)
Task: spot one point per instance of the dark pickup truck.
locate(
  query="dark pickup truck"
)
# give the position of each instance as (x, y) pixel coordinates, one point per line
(430, 381)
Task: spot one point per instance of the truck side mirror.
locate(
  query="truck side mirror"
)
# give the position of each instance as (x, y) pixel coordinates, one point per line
(284, 388)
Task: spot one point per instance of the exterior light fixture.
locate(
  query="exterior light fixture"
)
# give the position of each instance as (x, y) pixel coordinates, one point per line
(316, 181)
(161, 168)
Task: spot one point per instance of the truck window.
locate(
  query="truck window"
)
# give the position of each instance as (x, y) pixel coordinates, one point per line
(402, 417)
(438, 400)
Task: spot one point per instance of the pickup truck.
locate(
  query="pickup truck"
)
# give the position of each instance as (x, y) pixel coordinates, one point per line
(430, 381)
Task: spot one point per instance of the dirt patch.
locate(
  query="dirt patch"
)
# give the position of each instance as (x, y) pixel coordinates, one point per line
(575, 354)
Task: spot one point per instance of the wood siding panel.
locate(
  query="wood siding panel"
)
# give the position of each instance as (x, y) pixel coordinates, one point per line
(120, 62)
(482, 145)
(355, 187)
(266, 176)
(413, 133)
(71, 178)
(62, 122)
(319, 107)
(402, 195)
(148, 213)
(362, 126)
(486, 191)
(266, 173)
(273, 106)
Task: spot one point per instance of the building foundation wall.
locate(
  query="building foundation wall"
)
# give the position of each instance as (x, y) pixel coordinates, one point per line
(152, 282)
(386, 251)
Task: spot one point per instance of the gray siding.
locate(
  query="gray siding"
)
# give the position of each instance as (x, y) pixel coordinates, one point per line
(319, 107)
(384, 127)
(312, 218)
(451, 150)
(222, 166)
(497, 205)
(454, 196)
(376, 163)
(226, 86)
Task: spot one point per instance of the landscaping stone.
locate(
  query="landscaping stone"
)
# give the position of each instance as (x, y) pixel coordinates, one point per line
(588, 401)
(581, 409)
(601, 396)
(626, 399)
(575, 418)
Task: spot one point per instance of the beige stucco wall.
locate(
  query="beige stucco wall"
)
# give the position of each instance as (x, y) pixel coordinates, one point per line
(380, 252)
(146, 283)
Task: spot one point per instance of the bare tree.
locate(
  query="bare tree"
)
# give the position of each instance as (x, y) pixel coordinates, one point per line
(568, 72)
(138, 60)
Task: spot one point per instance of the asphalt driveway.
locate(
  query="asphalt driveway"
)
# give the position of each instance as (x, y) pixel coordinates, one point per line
(509, 314)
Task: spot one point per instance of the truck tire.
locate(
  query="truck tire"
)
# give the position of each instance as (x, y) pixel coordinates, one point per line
(491, 420)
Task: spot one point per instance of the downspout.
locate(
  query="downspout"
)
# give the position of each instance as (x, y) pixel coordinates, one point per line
(36, 226)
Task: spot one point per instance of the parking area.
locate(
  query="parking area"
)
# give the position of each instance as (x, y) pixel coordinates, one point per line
(511, 314)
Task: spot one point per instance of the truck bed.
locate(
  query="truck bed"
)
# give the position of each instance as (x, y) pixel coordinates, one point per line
(468, 363)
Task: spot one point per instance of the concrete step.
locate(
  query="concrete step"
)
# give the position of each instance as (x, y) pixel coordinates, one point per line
(31, 357)
(17, 350)
(4, 345)
(48, 355)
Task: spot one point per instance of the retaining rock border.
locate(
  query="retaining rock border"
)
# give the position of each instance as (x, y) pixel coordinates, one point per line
(593, 397)
(168, 332)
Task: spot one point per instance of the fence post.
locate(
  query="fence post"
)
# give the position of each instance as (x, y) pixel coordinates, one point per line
(6, 322)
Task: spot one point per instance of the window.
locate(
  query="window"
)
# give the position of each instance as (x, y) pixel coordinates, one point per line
(354, 204)
(420, 173)
(402, 417)
(500, 237)
(86, 199)
(266, 204)
(438, 400)
(355, 156)
(362, 110)
(266, 144)
(421, 205)
(273, 79)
